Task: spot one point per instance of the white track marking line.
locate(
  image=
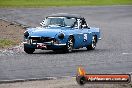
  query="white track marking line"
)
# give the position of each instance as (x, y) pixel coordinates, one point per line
(126, 53)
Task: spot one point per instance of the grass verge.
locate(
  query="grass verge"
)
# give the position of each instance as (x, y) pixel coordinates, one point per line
(10, 34)
(46, 3)
(5, 43)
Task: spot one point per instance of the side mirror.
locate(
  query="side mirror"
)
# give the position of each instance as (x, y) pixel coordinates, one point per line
(84, 26)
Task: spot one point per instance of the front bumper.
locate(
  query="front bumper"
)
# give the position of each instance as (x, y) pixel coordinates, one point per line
(45, 45)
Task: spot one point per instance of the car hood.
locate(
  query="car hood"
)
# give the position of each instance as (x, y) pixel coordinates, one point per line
(44, 32)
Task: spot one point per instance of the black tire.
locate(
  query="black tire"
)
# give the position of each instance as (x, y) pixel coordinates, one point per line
(93, 44)
(70, 44)
(29, 50)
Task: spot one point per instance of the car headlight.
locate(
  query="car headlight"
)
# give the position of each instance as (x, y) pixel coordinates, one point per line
(26, 34)
(61, 36)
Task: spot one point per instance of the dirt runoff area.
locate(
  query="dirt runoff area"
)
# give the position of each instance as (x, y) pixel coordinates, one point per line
(11, 34)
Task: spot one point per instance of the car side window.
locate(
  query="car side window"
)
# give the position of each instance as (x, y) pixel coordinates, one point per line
(80, 24)
(83, 23)
(75, 25)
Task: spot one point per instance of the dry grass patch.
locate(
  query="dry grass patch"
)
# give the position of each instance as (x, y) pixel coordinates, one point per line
(10, 34)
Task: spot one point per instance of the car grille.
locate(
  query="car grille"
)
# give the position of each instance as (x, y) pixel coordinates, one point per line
(41, 39)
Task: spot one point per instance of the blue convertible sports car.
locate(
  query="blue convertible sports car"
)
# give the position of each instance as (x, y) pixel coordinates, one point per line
(61, 32)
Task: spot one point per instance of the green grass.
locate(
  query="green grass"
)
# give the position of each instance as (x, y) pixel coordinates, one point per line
(46, 3)
(4, 43)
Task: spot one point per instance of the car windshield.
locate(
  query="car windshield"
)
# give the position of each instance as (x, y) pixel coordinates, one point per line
(58, 21)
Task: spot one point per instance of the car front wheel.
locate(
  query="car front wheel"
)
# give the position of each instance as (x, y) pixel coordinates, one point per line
(69, 46)
(29, 50)
(93, 44)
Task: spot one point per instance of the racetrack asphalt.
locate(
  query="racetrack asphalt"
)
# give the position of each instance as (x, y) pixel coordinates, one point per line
(113, 53)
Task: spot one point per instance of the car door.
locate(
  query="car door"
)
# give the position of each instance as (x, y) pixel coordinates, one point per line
(87, 33)
(83, 35)
(78, 38)
(87, 36)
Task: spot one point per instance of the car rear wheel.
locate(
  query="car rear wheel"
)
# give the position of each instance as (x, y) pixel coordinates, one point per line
(69, 46)
(93, 44)
(28, 50)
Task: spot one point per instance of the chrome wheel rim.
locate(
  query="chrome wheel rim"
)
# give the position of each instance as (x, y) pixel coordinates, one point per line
(93, 42)
(70, 44)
